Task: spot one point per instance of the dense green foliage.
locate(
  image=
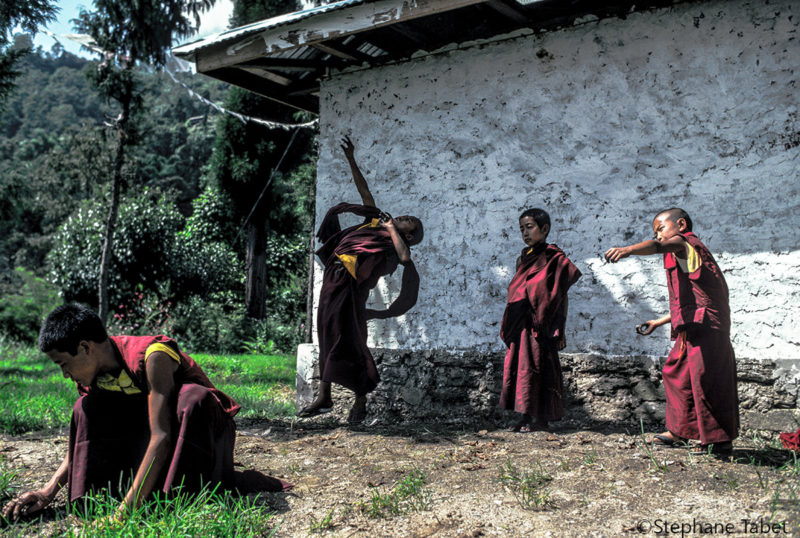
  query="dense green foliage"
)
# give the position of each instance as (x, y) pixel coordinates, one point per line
(36, 396)
(266, 174)
(28, 14)
(178, 266)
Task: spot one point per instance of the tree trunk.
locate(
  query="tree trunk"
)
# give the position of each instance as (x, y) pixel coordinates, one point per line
(256, 269)
(113, 210)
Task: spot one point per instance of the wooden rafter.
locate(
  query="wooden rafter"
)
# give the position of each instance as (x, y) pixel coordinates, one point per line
(286, 64)
(266, 88)
(269, 75)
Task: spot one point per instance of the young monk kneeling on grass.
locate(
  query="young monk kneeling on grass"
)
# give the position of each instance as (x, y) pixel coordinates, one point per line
(699, 375)
(354, 259)
(146, 409)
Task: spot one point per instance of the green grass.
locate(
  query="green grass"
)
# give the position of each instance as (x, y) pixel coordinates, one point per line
(408, 495)
(7, 480)
(527, 485)
(262, 384)
(207, 513)
(33, 393)
(35, 396)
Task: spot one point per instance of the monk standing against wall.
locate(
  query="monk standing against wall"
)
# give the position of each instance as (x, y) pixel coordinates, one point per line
(533, 327)
(354, 259)
(700, 372)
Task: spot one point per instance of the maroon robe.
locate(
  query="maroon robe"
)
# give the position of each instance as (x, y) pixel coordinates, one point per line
(109, 430)
(700, 372)
(341, 318)
(533, 329)
(791, 441)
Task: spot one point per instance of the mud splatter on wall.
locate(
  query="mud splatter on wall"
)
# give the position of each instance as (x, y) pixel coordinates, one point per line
(602, 124)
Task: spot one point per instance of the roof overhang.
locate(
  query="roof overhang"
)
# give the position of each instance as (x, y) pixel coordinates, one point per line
(284, 58)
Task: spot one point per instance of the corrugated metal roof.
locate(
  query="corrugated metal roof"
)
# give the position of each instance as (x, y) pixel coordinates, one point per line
(250, 29)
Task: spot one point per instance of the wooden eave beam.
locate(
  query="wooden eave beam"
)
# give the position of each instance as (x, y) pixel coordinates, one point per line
(320, 29)
(333, 51)
(265, 88)
(269, 75)
(286, 64)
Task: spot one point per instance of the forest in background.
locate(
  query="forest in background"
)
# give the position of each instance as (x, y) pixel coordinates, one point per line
(191, 178)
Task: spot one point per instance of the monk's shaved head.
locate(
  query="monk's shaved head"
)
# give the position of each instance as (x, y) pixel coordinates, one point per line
(675, 213)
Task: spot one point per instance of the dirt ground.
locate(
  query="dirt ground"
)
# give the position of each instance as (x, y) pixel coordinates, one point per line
(604, 482)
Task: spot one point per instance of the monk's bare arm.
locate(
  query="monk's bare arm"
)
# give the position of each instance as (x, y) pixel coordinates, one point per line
(648, 326)
(400, 246)
(160, 377)
(32, 502)
(409, 291)
(358, 178)
(647, 248)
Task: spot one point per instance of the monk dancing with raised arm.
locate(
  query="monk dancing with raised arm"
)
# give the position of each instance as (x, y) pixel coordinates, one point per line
(354, 259)
(699, 375)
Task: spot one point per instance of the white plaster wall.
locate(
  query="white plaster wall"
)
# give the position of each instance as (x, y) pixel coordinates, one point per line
(601, 124)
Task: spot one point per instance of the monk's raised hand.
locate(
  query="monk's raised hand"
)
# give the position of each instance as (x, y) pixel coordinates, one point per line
(347, 147)
(25, 505)
(615, 254)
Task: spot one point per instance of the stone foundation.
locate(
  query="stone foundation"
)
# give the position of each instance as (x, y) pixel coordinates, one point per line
(462, 387)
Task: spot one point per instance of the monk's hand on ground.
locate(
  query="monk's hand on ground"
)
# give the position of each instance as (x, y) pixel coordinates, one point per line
(615, 254)
(347, 147)
(27, 504)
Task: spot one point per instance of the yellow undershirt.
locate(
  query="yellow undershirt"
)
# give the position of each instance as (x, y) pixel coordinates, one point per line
(349, 260)
(692, 262)
(123, 382)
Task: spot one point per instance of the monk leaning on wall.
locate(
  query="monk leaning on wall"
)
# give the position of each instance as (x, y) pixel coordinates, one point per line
(354, 259)
(146, 410)
(699, 375)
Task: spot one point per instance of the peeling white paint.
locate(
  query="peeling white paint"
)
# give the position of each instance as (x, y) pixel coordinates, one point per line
(603, 125)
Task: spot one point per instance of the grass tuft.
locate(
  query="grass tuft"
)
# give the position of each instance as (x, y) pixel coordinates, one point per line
(207, 513)
(527, 486)
(7, 484)
(323, 524)
(659, 466)
(408, 495)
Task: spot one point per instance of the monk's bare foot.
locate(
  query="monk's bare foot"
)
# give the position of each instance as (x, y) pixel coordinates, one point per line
(668, 439)
(317, 407)
(523, 425)
(359, 411)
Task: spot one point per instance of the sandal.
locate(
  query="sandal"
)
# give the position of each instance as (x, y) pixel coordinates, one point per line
(667, 440)
(313, 411)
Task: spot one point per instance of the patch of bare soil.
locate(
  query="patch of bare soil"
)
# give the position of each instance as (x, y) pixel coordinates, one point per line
(601, 482)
